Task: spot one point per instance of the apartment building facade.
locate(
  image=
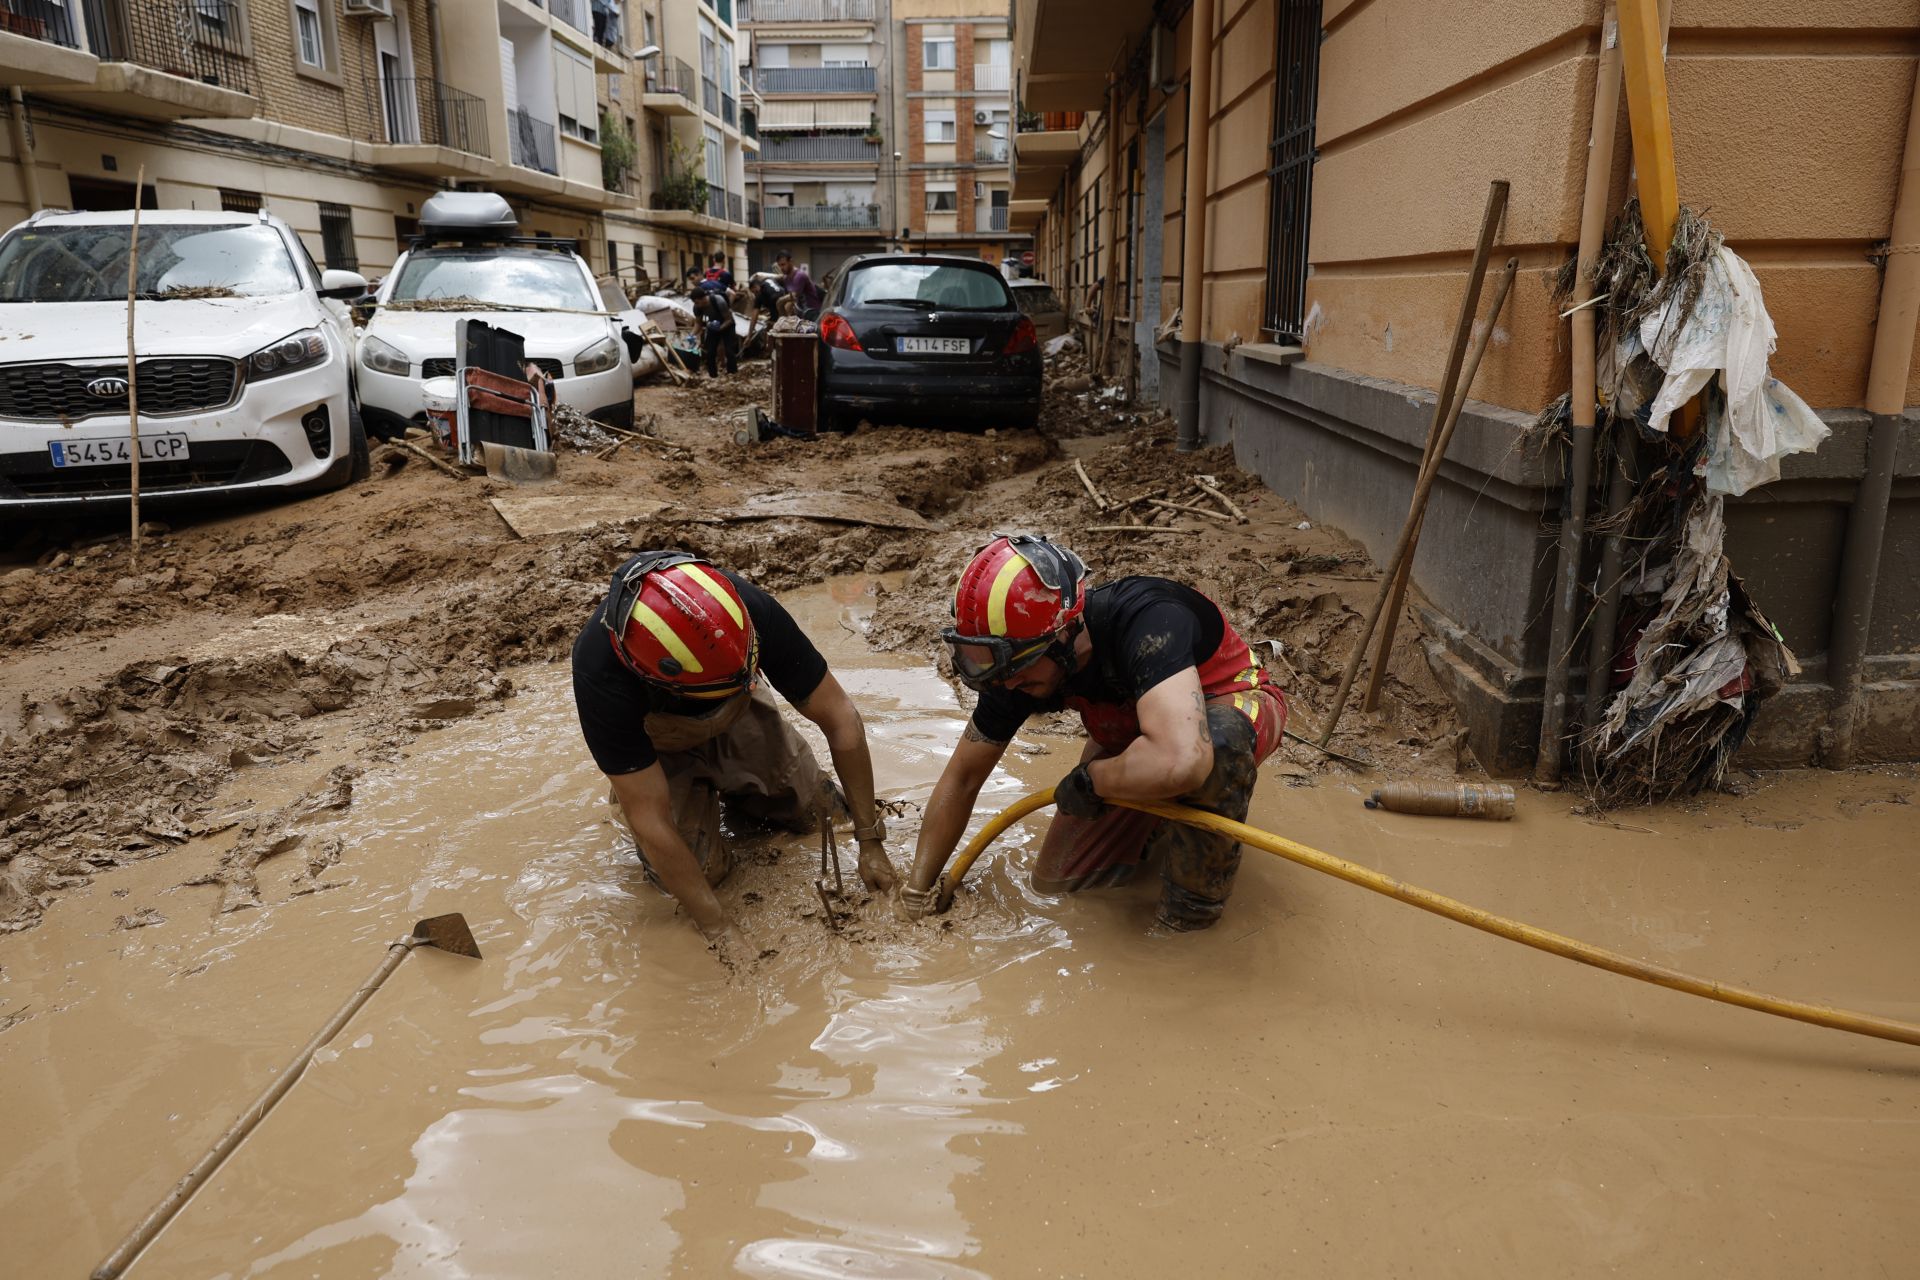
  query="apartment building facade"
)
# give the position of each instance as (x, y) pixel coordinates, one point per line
(343, 116)
(827, 162)
(955, 113)
(1349, 148)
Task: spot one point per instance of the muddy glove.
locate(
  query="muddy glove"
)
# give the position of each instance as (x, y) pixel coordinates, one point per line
(915, 904)
(1074, 795)
(876, 869)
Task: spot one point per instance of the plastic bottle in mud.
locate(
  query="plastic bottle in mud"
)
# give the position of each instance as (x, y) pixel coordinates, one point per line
(1462, 800)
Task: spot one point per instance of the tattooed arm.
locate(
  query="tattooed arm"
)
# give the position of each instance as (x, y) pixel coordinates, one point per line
(1174, 752)
(951, 804)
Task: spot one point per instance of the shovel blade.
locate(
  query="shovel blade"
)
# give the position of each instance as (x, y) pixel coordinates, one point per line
(449, 933)
(516, 465)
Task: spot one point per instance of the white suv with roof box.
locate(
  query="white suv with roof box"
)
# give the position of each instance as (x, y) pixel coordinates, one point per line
(470, 263)
(245, 362)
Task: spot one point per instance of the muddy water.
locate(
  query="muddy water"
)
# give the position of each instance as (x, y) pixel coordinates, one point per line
(1328, 1083)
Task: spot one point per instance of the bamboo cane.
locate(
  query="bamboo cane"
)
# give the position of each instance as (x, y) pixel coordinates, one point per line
(133, 370)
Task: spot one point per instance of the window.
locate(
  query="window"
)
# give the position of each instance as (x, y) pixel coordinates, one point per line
(844, 55)
(774, 57)
(573, 88)
(88, 263)
(336, 237)
(940, 126)
(942, 197)
(232, 201)
(647, 31)
(937, 53)
(1290, 158)
(307, 31)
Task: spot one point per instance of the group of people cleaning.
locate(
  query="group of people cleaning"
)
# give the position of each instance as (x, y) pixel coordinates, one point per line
(674, 677)
(787, 290)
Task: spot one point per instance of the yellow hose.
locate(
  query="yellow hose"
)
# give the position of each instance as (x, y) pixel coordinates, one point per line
(1540, 939)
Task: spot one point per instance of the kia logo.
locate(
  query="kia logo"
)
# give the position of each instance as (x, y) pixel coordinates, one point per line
(108, 388)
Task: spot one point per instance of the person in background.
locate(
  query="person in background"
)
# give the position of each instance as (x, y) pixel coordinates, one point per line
(717, 273)
(806, 294)
(716, 327)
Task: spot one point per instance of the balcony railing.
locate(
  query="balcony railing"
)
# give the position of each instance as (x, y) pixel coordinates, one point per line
(806, 10)
(780, 148)
(990, 219)
(987, 76)
(672, 75)
(753, 213)
(822, 217)
(194, 39)
(42, 20)
(750, 123)
(710, 95)
(989, 151)
(408, 110)
(736, 207)
(572, 12)
(535, 142)
(1048, 122)
(729, 109)
(816, 80)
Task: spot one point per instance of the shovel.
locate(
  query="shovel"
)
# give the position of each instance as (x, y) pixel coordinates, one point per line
(448, 933)
(516, 465)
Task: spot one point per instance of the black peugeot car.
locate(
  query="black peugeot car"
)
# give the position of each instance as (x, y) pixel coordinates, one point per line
(923, 338)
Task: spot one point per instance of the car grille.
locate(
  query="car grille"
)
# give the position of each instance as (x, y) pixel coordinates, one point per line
(33, 475)
(442, 367)
(58, 392)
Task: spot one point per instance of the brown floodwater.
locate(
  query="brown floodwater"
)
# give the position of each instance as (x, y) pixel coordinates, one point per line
(1328, 1083)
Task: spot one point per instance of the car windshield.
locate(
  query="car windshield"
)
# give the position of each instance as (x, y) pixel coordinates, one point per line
(89, 263)
(493, 278)
(928, 284)
(1036, 298)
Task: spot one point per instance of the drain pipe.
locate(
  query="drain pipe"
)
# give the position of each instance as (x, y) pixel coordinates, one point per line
(1573, 533)
(1886, 397)
(434, 42)
(23, 149)
(1193, 229)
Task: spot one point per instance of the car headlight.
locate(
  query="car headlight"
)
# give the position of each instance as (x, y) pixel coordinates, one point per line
(384, 357)
(598, 358)
(295, 351)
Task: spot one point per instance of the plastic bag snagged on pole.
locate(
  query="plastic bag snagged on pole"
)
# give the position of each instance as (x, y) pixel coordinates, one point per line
(1723, 330)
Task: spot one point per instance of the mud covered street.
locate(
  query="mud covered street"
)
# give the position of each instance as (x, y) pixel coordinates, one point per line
(229, 774)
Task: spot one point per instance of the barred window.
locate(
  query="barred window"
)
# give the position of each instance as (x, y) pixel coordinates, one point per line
(232, 201)
(336, 237)
(1290, 166)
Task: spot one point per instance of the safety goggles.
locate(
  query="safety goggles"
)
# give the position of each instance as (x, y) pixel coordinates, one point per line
(981, 661)
(619, 608)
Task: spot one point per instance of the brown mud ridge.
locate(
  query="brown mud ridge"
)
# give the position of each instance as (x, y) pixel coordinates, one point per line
(133, 692)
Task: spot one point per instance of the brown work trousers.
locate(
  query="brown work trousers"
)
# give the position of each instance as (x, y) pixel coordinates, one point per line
(744, 754)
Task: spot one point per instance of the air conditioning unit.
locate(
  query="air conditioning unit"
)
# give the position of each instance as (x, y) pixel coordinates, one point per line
(979, 190)
(369, 8)
(983, 117)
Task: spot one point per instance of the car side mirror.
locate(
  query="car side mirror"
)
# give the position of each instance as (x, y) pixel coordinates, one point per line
(343, 285)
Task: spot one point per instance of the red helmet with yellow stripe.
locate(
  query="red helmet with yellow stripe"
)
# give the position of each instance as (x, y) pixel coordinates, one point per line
(679, 624)
(1016, 600)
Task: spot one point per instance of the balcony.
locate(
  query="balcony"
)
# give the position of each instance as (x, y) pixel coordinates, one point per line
(168, 59)
(533, 143)
(729, 110)
(736, 207)
(749, 124)
(716, 203)
(822, 217)
(669, 88)
(423, 126)
(816, 80)
(40, 45)
(989, 150)
(573, 13)
(991, 79)
(780, 148)
(1066, 48)
(992, 218)
(806, 10)
(753, 213)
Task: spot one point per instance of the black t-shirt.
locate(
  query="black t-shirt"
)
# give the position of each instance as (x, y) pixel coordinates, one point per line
(613, 703)
(1143, 630)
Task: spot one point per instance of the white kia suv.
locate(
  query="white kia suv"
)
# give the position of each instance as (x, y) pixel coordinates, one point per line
(245, 360)
(469, 263)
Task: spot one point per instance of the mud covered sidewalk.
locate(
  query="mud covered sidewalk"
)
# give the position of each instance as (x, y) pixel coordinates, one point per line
(132, 692)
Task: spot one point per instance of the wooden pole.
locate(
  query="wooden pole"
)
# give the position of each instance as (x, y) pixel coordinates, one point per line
(1411, 530)
(133, 366)
(1462, 332)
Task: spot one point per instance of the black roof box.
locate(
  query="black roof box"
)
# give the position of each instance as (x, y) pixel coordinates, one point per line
(458, 214)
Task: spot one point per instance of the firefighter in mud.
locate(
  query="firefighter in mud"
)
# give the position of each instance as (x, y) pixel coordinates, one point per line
(666, 680)
(1175, 706)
